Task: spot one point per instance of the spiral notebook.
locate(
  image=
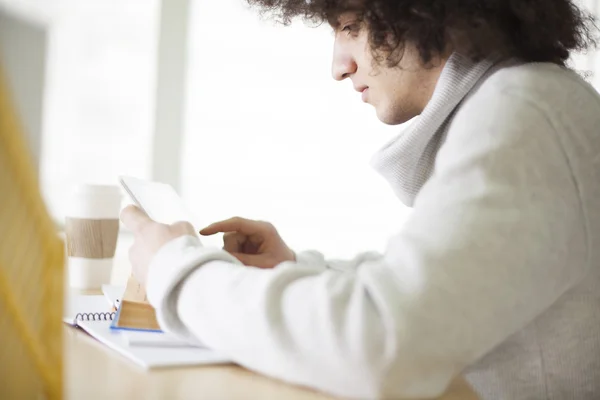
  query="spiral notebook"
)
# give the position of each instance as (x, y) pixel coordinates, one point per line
(93, 314)
(87, 308)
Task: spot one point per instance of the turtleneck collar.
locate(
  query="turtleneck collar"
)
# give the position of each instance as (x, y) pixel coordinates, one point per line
(407, 161)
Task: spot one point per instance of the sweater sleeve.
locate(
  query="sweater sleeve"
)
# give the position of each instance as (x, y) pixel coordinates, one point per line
(317, 260)
(496, 236)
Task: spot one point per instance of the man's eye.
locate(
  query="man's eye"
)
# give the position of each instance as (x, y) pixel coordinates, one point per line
(350, 28)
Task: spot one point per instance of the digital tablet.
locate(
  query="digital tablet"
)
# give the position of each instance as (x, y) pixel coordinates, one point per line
(158, 200)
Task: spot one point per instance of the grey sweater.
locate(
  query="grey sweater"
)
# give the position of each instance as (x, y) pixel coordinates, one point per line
(542, 143)
(496, 274)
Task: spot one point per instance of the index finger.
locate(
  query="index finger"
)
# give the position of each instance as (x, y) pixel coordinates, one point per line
(235, 224)
(133, 218)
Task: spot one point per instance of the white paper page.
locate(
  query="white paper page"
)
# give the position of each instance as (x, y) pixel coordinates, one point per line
(151, 357)
(113, 293)
(156, 339)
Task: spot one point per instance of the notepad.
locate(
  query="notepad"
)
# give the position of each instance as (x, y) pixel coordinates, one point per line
(152, 356)
(135, 312)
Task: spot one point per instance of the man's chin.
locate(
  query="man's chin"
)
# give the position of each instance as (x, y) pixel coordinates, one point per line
(390, 118)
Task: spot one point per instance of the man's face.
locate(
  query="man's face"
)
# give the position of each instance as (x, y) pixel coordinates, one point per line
(399, 93)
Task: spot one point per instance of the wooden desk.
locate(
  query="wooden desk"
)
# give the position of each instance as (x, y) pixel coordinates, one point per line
(93, 371)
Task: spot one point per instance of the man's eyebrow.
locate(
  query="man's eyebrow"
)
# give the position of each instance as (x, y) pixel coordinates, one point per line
(341, 17)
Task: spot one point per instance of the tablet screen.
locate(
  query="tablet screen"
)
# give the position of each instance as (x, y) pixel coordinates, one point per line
(158, 200)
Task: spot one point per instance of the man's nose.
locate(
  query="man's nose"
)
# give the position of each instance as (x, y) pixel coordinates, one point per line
(343, 64)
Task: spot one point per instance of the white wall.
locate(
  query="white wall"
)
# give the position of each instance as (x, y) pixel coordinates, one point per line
(23, 53)
(171, 90)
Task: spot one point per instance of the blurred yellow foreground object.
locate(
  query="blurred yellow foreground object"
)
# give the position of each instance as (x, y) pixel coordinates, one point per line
(31, 272)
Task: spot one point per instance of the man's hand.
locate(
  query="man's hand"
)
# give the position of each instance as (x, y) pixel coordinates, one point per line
(150, 236)
(254, 243)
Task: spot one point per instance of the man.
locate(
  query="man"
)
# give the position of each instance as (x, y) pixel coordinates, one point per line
(496, 275)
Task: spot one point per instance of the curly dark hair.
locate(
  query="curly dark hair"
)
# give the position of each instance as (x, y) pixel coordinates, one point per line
(530, 30)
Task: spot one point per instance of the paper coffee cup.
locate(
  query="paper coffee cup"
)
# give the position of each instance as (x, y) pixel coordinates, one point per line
(92, 229)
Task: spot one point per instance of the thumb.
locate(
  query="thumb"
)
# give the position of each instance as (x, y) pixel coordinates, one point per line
(134, 218)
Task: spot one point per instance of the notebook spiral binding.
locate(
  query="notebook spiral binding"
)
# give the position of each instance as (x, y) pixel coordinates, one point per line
(102, 316)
